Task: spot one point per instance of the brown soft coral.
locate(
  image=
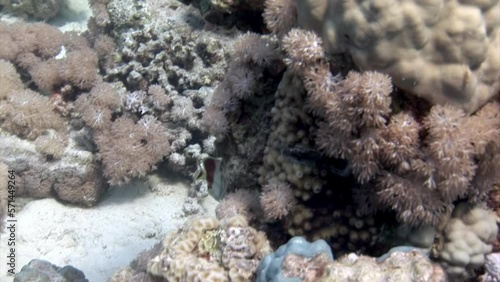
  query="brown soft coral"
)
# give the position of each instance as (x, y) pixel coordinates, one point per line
(252, 55)
(277, 200)
(80, 68)
(415, 162)
(52, 58)
(29, 114)
(241, 202)
(9, 79)
(129, 149)
(280, 15)
(98, 106)
(304, 48)
(353, 116)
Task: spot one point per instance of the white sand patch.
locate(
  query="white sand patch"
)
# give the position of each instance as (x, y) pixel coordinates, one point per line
(101, 239)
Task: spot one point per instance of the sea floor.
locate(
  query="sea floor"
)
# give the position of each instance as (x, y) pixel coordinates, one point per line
(104, 238)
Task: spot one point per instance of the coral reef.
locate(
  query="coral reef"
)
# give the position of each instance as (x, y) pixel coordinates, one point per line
(450, 57)
(349, 144)
(167, 67)
(243, 131)
(362, 126)
(203, 250)
(55, 163)
(71, 70)
(430, 154)
(74, 177)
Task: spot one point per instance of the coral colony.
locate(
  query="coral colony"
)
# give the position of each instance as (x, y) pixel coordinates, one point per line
(345, 140)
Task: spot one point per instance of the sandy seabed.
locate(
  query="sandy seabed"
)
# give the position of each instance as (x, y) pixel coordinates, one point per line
(101, 239)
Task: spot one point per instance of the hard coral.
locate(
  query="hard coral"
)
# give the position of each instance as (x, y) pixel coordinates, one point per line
(467, 239)
(450, 57)
(206, 249)
(399, 266)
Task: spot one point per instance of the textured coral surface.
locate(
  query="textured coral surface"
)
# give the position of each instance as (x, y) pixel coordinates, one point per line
(443, 51)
